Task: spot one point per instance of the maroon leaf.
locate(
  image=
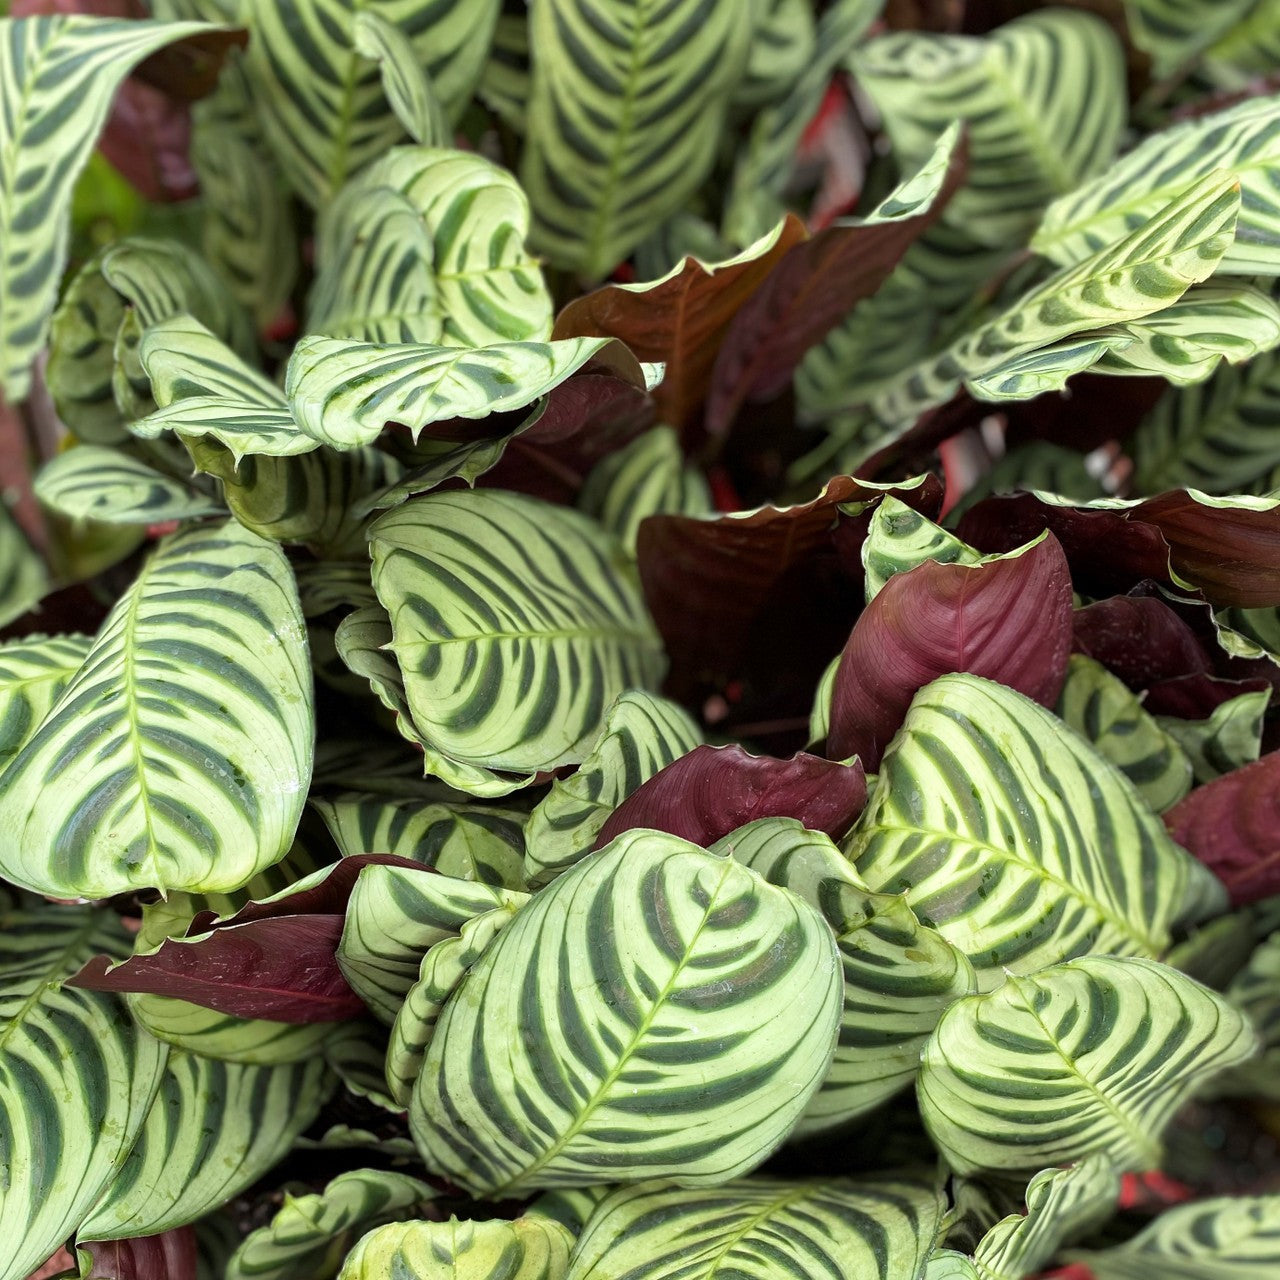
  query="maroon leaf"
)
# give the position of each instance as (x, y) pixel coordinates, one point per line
(806, 295)
(274, 960)
(1008, 620)
(147, 140)
(680, 321)
(715, 790)
(1233, 826)
(171, 1256)
(586, 418)
(1140, 639)
(761, 595)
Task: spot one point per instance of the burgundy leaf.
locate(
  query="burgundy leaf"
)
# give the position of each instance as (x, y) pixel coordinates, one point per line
(805, 296)
(1233, 826)
(680, 321)
(1108, 553)
(586, 418)
(283, 969)
(1140, 639)
(760, 595)
(147, 140)
(1008, 620)
(171, 1256)
(1196, 697)
(715, 790)
(275, 960)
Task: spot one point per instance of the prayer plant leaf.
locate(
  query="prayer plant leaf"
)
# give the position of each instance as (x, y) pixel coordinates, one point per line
(899, 975)
(626, 107)
(214, 1129)
(642, 734)
(1175, 32)
(1244, 139)
(33, 673)
(179, 755)
(404, 81)
(697, 1037)
(77, 1077)
(23, 576)
(476, 583)
(1224, 1238)
(1109, 716)
(343, 393)
(1018, 842)
(1043, 97)
(173, 1255)
(311, 1234)
(900, 538)
(58, 76)
(529, 1248)
(763, 1227)
(322, 102)
(394, 916)
(1091, 1057)
(1229, 738)
(97, 482)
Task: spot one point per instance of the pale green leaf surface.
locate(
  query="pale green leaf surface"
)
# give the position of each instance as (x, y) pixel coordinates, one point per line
(527, 1248)
(1230, 738)
(404, 81)
(33, 673)
(23, 576)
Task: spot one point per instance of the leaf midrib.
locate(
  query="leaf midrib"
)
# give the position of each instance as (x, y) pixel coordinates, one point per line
(606, 1084)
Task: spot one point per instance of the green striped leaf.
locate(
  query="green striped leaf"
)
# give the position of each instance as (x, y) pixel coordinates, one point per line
(344, 393)
(23, 576)
(1131, 278)
(205, 389)
(477, 582)
(179, 755)
(572, 1207)
(900, 538)
(98, 482)
(1244, 139)
(1224, 1238)
(782, 46)
(33, 673)
(1018, 842)
(1043, 97)
(642, 733)
(1092, 1057)
(820, 712)
(394, 916)
(761, 1228)
(645, 478)
(1220, 437)
(443, 968)
(323, 105)
(1255, 991)
(429, 247)
(625, 113)
(504, 82)
(1062, 1205)
(313, 499)
(247, 233)
(1175, 32)
(899, 976)
(528, 1248)
(1103, 710)
(1228, 739)
(214, 1129)
(57, 79)
(468, 842)
(697, 1039)
(1249, 50)
(765, 165)
(76, 1078)
(96, 373)
(404, 82)
(311, 1234)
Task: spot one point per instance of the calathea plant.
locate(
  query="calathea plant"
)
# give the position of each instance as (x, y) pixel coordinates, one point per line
(640, 640)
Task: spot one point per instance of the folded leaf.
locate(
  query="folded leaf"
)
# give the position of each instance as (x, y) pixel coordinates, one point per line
(77, 1078)
(697, 1044)
(1141, 639)
(881, 1229)
(528, 1248)
(59, 77)
(899, 538)
(681, 319)
(310, 1233)
(1007, 619)
(170, 1256)
(818, 281)
(1228, 739)
(712, 791)
(1087, 1058)
(404, 81)
(1231, 825)
(642, 734)
(483, 582)
(1019, 843)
